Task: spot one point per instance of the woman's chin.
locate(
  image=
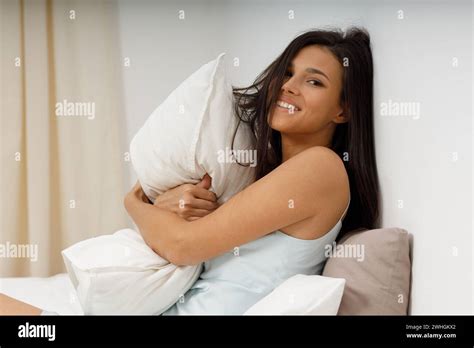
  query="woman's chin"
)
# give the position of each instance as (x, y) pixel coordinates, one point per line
(282, 122)
(282, 127)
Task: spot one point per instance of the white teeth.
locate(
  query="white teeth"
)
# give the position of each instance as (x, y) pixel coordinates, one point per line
(287, 106)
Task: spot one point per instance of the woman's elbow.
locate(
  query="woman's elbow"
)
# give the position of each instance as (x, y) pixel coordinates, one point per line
(180, 256)
(174, 251)
(174, 256)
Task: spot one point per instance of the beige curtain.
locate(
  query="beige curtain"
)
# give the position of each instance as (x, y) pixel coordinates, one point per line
(62, 158)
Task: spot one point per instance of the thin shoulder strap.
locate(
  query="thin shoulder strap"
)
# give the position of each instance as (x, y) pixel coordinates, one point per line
(347, 208)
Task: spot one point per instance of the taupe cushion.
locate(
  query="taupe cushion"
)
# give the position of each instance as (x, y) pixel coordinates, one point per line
(377, 279)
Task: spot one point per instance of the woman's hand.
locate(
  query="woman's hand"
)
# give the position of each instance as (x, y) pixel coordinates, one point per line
(189, 201)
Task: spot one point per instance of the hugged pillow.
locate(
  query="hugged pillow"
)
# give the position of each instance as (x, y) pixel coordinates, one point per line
(121, 274)
(190, 134)
(378, 276)
(302, 294)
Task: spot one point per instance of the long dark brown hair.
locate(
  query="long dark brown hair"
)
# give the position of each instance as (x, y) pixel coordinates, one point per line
(353, 141)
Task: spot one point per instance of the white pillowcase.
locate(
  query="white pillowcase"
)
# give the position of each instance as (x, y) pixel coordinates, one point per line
(189, 135)
(303, 295)
(121, 274)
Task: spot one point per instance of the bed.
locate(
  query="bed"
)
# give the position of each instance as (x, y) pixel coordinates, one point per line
(377, 285)
(54, 293)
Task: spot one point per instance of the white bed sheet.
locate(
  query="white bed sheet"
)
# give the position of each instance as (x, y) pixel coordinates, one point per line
(55, 293)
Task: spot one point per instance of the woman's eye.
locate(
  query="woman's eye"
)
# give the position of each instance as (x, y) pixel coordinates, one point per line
(313, 82)
(316, 82)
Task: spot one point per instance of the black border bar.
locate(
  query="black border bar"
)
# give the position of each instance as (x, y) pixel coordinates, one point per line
(290, 330)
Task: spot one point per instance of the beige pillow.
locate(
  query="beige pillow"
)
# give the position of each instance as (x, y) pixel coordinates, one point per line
(376, 265)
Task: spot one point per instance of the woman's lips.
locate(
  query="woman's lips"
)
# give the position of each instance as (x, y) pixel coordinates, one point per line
(288, 110)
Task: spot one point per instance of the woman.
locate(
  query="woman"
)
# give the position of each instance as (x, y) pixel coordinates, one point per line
(311, 113)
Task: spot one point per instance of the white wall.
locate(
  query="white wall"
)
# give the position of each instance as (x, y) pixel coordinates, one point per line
(472, 154)
(413, 59)
(413, 63)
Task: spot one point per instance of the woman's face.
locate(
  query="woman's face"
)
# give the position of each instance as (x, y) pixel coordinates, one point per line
(312, 86)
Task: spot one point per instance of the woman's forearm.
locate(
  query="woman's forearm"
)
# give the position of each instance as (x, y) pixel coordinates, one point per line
(161, 229)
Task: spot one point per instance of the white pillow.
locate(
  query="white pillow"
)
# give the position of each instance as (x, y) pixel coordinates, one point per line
(302, 294)
(190, 134)
(121, 274)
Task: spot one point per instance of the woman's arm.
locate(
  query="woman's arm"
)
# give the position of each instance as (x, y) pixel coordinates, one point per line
(297, 189)
(158, 227)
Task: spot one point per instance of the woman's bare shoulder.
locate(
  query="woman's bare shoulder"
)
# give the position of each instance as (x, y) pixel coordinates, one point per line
(330, 201)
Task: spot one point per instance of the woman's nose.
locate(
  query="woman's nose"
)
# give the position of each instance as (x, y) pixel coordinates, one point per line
(289, 87)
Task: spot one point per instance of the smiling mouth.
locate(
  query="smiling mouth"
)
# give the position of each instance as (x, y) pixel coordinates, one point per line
(290, 110)
(290, 107)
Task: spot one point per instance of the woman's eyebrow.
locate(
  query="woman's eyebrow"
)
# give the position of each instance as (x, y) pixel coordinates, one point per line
(313, 71)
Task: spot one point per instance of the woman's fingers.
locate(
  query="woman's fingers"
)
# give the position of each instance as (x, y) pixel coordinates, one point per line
(190, 199)
(192, 218)
(203, 204)
(195, 214)
(205, 182)
(202, 193)
(199, 212)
